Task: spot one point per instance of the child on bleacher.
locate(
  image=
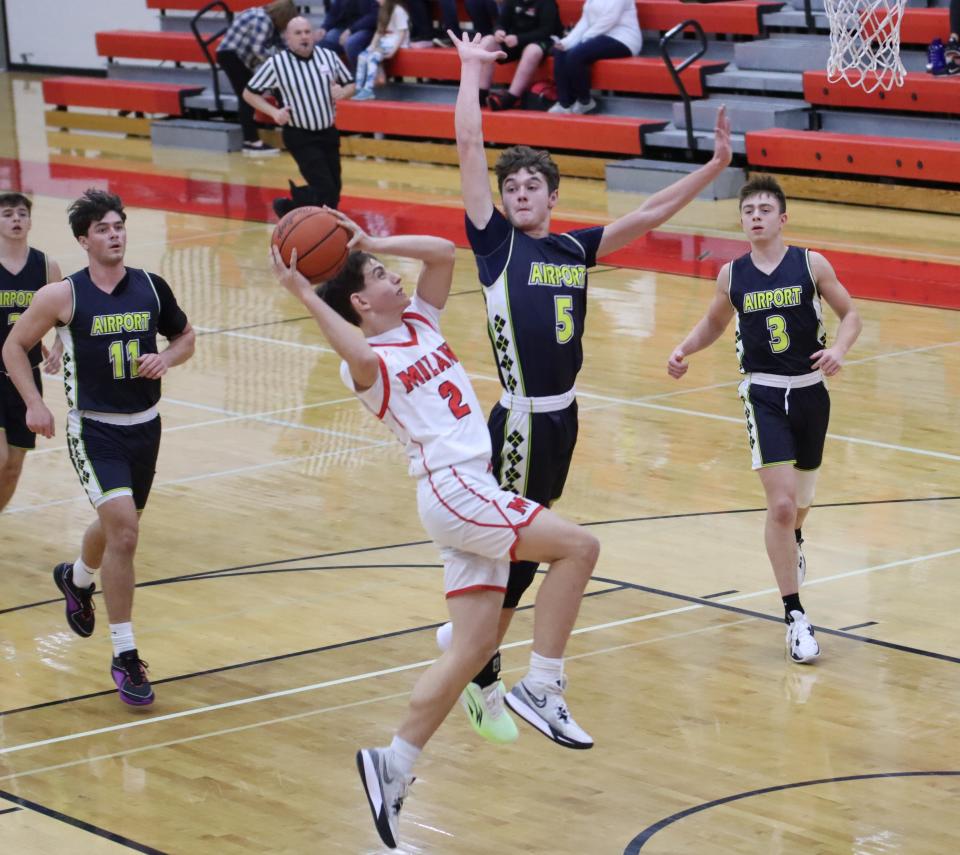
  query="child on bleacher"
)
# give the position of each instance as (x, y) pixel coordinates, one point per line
(607, 29)
(393, 33)
(348, 27)
(525, 32)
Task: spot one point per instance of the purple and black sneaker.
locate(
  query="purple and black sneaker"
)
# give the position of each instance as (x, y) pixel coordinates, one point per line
(79, 601)
(129, 672)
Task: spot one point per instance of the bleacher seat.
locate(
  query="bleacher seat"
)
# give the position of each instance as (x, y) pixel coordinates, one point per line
(608, 134)
(138, 44)
(139, 96)
(920, 92)
(854, 154)
(740, 17)
(197, 5)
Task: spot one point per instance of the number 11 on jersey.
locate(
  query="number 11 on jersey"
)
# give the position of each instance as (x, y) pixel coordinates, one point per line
(132, 356)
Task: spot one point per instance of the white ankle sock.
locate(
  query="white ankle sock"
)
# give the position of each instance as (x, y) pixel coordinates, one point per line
(81, 575)
(544, 671)
(402, 756)
(121, 635)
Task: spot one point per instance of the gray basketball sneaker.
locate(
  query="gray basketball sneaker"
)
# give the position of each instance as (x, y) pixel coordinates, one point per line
(545, 708)
(385, 793)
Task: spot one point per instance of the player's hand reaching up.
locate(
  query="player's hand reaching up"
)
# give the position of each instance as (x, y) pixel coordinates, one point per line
(291, 278)
(676, 367)
(470, 49)
(722, 152)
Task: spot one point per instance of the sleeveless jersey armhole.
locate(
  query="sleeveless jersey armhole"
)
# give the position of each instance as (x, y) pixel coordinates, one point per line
(813, 279)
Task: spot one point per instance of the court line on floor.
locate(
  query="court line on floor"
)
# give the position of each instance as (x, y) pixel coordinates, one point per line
(337, 708)
(694, 603)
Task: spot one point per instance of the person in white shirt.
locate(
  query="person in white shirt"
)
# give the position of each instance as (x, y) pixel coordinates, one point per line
(607, 29)
(393, 33)
(404, 372)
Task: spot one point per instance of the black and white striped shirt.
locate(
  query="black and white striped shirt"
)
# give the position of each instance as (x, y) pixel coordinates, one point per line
(304, 85)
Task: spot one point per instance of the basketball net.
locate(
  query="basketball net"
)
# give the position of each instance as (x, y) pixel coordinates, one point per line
(865, 43)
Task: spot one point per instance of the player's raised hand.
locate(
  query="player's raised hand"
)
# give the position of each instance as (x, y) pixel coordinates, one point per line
(676, 367)
(828, 360)
(722, 151)
(470, 49)
(359, 239)
(291, 278)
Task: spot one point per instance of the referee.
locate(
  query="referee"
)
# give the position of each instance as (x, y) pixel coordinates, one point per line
(310, 79)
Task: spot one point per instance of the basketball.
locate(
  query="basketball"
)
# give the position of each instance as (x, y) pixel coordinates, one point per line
(320, 241)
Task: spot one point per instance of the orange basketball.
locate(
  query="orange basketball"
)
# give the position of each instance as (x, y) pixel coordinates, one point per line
(320, 241)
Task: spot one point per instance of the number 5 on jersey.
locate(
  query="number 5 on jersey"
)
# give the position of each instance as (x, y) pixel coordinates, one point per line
(563, 303)
(117, 358)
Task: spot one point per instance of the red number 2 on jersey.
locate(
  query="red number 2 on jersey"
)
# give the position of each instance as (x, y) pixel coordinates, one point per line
(455, 399)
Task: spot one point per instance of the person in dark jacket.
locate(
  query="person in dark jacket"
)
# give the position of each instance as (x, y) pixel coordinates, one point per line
(525, 33)
(348, 27)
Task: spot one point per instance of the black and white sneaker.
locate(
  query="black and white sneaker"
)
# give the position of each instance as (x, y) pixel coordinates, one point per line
(259, 149)
(802, 646)
(545, 708)
(385, 793)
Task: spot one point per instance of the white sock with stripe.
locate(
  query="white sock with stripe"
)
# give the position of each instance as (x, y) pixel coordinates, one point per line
(121, 635)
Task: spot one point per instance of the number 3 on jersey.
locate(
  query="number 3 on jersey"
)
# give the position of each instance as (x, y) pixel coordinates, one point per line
(454, 399)
(779, 340)
(117, 361)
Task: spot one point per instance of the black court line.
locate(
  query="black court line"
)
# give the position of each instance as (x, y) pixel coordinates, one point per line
(10, 810)
(83, 826)
(279, 657)
(257, 324)
(635, 845)
(367, 549)
(859, 625)
(720, 594)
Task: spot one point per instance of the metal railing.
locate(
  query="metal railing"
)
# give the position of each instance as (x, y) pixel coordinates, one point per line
(677, 70)
(206, 40)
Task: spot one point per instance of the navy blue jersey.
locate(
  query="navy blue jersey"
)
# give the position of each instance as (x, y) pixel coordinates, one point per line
(536, 295)
(16, 293)
(106, 336)
(779, 319)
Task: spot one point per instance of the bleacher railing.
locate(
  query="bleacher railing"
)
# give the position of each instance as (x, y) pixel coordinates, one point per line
(206, 40)
(676, 70)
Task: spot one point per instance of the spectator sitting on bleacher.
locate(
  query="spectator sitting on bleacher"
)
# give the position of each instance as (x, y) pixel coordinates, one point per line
(483, 15)
(524, 34)
(393, 32)
(250, 39)
(348, 27)
(607, 29)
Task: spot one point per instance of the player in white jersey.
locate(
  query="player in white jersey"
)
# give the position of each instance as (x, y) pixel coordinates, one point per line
(406, 374)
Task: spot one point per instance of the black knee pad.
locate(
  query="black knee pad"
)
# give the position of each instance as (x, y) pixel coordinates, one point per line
(521, 578)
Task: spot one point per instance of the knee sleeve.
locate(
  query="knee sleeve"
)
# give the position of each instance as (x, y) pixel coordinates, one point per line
(521, 578)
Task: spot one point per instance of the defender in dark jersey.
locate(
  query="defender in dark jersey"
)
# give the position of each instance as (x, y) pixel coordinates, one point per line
(535, 288)
(23, 271)
(775, 292)
(108, 316)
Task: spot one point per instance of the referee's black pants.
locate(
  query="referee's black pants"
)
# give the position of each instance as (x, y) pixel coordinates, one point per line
(317, 154)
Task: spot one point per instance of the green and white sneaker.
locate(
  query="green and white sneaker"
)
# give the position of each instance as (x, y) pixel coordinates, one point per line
(487, 713)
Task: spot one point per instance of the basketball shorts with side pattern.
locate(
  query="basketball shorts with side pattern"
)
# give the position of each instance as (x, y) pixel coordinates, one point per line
(475, 524)
(13, 413)
(786, 428)
(114, 460)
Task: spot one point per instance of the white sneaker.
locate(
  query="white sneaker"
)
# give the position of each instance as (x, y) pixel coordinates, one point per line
(545, 708)
(583, 109)
(801, 645)
(385, 793)
(484, 706)
(801, 564)
(559, 108)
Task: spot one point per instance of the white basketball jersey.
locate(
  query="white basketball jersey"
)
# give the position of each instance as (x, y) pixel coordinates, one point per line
(423, 394)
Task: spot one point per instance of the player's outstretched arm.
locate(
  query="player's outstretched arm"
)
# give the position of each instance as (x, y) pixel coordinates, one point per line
(436, 253)
(344, 338)
(662, 205)
(52, 303)
(830, 359)
(707, 330)
(474, 177)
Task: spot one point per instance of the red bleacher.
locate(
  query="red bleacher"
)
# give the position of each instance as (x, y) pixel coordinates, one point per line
(197, 5)
(137, 44)
(165, 98)
(920, 93)
(610, 134)
(919, 26)
(647, 75)
(891, 157)
(741, 17)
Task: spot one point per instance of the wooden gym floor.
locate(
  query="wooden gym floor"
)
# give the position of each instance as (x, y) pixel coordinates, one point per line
(288, 598)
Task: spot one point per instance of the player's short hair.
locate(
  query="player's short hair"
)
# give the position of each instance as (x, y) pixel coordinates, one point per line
(336, 293)
(520, 157)
(763, 184)
(12, 199)
(92, 207)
